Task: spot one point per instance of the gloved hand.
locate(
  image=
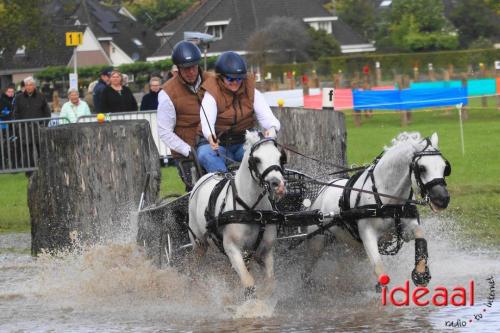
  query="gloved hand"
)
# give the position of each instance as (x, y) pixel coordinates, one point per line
(270, 133)
(5, 112)
(214, 144)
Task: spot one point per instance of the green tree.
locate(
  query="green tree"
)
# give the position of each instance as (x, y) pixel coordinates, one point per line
(281, 40)
(476, 19)
(322, 44)
(359, 14)
(419, 25)
(156, 13)
(22, 22)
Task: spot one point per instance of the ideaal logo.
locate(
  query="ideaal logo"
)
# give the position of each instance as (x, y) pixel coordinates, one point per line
(440, 296)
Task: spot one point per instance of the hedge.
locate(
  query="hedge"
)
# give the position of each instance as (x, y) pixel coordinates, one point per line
(403, 63)
(141, 70)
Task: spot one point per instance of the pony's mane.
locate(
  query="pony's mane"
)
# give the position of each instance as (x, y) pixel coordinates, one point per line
(405, 138)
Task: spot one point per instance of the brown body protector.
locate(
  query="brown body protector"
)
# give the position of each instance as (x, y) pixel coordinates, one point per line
(187, 109)
(235, 112)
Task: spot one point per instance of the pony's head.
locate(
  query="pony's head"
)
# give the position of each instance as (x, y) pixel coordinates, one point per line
(429, 169)
(265, 162)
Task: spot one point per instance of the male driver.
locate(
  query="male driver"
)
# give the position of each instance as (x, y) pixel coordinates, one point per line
(179, 106)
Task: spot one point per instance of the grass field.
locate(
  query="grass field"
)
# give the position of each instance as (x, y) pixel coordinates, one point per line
(474, 183)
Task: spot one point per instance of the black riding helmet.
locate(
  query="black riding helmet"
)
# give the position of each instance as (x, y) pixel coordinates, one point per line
(186, 54)
(232, 65)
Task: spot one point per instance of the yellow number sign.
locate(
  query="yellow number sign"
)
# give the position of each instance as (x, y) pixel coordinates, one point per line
(74, 38)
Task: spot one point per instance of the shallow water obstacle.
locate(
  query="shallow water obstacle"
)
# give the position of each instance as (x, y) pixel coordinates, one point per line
(89, 182)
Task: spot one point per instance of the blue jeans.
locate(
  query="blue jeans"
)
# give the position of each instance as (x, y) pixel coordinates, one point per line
(212, 163)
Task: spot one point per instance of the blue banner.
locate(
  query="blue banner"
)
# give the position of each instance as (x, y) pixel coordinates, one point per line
(436, 84)
(376, 99)
(424, 98)
(408, 99)
(481, 87)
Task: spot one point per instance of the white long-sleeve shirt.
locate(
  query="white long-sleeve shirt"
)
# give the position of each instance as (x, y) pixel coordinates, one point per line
(265, 116)
(167, 118)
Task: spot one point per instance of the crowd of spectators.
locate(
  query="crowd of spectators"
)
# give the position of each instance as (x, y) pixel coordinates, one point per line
(108, 94)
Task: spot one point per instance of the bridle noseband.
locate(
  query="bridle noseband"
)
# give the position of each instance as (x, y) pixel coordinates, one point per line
(414, 167)
(253, 161)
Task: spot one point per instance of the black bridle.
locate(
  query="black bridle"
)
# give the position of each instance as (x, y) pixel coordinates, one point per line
(415, 169)
(254, 161)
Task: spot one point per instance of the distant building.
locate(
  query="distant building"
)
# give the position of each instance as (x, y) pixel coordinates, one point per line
(233, 22)
(111, 36)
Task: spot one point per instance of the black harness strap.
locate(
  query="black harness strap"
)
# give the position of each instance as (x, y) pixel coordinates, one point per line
(247, 216)
(344, 204)
(348, 216)
(212, 226)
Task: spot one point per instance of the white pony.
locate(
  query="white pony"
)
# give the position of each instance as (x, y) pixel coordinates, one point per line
(245, 199)
(411, 162)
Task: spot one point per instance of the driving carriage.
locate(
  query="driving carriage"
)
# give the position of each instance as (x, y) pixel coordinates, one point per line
(244, 212)
(164, 229)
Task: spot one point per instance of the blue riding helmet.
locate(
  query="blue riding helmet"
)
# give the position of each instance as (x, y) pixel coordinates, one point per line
(231, 65)
(186, 54)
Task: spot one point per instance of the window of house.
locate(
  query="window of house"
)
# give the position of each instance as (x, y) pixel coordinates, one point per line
(216, 28)
(21, 51)
(325, 25)
(216, 31)
(321, 23)
(137, 42)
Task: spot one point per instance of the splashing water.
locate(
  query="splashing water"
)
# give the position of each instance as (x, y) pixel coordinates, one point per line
(113, 287)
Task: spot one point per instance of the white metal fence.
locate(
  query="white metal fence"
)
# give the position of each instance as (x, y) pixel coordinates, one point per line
(150, 116)
(20, 143)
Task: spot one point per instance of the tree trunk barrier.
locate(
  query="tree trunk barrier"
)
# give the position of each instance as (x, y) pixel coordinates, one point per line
(320, 134)
(89, 183)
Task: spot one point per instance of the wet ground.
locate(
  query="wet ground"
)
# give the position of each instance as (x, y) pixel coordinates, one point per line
(113, 288)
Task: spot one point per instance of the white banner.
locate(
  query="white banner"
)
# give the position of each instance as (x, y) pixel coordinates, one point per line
(73, 81)
(328, 98)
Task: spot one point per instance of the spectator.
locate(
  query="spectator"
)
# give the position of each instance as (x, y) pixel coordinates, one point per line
(150, 100)
(56, 102)
(125, 80)
(172, 72)
(6, 100)
(116, 97)
(6, 103)
(89, 95)
(75, 107)
(99, 88)
(31, 103)
(20, 91)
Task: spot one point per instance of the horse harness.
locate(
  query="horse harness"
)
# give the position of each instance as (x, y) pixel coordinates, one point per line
(249, 215)
(348, 217)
